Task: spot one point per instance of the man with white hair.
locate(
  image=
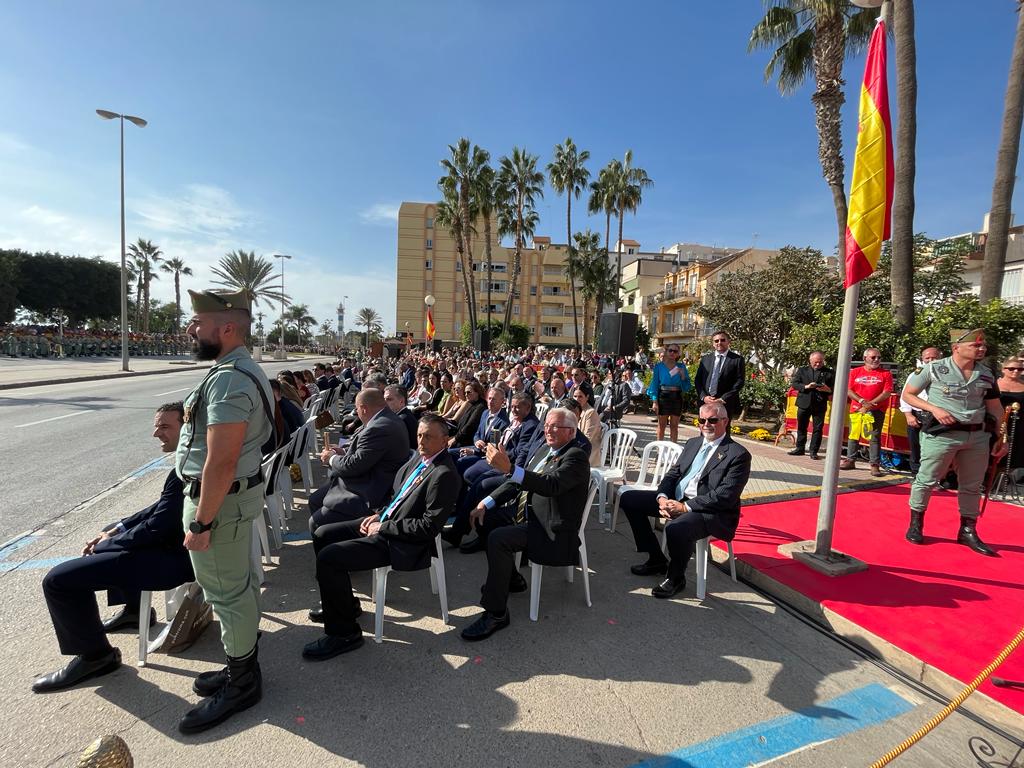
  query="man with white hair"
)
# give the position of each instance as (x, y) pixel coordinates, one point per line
(699, 497)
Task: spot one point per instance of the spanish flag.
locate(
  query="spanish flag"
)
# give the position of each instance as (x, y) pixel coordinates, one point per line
(868, 219)
(430, 324)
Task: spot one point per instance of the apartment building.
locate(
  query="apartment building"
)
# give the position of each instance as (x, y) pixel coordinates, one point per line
(1012, 290)
(428, 264)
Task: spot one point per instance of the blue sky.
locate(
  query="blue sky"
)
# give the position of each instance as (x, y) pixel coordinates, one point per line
(299, 127)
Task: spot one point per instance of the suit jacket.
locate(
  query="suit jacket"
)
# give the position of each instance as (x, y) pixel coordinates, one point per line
(519, 444)
(730, 380)
(377, 451)
(411, 424)
(720, 485)
(621, 399)
(557, 497)
(813, 399)
(158, 526)
(469, 423)
(411, 527)
(485, 425)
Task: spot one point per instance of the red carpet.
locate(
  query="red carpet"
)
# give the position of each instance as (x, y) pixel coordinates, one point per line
(941, 602)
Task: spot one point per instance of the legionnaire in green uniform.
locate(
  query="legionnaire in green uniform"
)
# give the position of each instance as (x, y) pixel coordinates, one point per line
(218, 458)
(960, 391)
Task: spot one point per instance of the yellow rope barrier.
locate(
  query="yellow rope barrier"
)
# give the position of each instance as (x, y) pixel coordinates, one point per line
(960, 698)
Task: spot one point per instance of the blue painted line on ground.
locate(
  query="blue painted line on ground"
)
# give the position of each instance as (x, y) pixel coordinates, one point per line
(151, 466)
(771, 739)
(14, 546)
(297, 536)
(33, 565)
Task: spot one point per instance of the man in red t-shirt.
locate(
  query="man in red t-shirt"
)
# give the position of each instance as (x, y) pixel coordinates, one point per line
(870, 388)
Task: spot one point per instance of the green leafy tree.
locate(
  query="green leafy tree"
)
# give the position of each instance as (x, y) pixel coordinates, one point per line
(10, 270)
(145, 257)
(521, 184)
(371, 321)
(245, 271)
(299, 315)
(517, 335)
(80, 288)
(939, 267)
(177, 268)
(568, 175)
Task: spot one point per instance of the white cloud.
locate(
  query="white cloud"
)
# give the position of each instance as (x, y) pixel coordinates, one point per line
(202, 209)
(380, 213)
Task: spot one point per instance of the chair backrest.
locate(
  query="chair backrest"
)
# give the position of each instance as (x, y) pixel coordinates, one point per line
(591, 493)
(616, 447)
(541, 409)
(271, 468)
(666, 455)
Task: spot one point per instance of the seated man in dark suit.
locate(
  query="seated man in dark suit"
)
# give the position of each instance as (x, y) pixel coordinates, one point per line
(141, 552)
(401, 536)
(494, 417)
(548, 498)
(700, 497)
(361, 474)
(397, 398)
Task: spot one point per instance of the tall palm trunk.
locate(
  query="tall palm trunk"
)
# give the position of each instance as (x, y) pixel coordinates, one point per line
(467, 284)
(572, 272)
(517, 256)
(138, 302)
(468, 254)
(902, 271)
(487, 251)
(829, 50)
(147, 276)
(177, 301)
(1006, 164)
(607, 229)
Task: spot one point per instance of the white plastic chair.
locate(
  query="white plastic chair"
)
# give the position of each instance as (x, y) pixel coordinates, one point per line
(172, 599)
(301, 441)
(536, 570)
(701, 554)
(276, 480)
(616, 448)
(667, 455)
(541, 409)
(438, 586)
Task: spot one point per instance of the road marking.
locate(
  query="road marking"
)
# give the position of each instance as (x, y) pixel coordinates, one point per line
(33, 565)
(171, 392)
(54, 418)
(783, 736)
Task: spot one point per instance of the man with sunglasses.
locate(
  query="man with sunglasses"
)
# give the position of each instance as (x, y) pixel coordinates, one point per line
(869, 390)
(699, 497)
(720, 375)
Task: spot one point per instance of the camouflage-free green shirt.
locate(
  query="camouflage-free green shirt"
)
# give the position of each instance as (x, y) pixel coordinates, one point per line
(948, 389)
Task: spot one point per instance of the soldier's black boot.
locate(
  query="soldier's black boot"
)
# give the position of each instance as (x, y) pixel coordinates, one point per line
(915, 532)
(968, 536)
(208, 683)
(242, 689)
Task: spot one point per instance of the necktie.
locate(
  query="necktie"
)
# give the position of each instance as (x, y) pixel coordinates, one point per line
(694, 470)
(404, 490)
(523, 501)
(713, 386)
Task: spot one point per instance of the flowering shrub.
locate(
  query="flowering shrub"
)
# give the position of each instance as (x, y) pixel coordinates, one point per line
(760, 434)
(734, 429)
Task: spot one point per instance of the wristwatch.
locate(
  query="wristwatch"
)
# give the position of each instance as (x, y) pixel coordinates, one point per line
(196, 527)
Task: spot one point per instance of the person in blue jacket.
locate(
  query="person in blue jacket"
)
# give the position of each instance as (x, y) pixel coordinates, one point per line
(669, 381)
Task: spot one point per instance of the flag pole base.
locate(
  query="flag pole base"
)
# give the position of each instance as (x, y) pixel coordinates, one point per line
(835, 563)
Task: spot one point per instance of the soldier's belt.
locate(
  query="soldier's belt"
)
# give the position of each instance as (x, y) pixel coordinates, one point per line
(193, 485)
(932, 426)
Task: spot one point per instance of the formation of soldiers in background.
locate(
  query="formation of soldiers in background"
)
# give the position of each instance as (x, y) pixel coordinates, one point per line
(40, 341)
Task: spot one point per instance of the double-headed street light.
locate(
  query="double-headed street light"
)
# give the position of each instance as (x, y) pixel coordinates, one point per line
(282, 257)
(108, 115)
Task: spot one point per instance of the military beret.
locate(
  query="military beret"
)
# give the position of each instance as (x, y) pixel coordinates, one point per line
(960, 336)
(218, 301)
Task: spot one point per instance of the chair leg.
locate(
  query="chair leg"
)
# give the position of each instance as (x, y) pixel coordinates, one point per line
(145, 601)
(260, 524)
(307, 471)
(535, 574)
(274, 513)
(569, 569)
(255, 554)
(438, 577)
(702, 568)
(380, 577)
(615, 512)
(732, 562)
(586, 571)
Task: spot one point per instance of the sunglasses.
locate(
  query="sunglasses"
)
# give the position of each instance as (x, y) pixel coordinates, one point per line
(709, 420)
(672, 351)
(872, 357)
(1008, 368)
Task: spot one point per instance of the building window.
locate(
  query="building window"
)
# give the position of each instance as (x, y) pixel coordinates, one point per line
(430, 222)
(630, 252)
(430, 244)
(499, 267)
(515, 309)
(550, 330)
(458, 266)
(533, 290)
(428, 264)
(1011, 283)
(533, 329)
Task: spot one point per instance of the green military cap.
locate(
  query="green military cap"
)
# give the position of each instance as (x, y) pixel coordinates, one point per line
(218, 301)
(960, 336)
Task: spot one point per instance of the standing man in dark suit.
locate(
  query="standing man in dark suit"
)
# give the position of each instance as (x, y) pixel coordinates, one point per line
(401, 536)
(361, 475)
(813, 384)
(548, 497)
(700, 497)
(141, 552)
(720, 375)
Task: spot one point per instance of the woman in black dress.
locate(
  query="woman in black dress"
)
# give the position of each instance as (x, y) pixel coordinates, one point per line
(1011, 390)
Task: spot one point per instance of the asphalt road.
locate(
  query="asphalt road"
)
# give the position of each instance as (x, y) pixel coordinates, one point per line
(64, 444)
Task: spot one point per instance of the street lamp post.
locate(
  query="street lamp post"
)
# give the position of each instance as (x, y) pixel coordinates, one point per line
(108, 115)
(282, 256)
(430, 301)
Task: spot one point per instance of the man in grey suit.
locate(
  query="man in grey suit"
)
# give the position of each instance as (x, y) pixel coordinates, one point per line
(699, 497)
(361, 475)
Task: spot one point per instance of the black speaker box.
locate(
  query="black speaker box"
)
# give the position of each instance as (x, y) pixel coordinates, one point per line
(482, 340)
(618, 334)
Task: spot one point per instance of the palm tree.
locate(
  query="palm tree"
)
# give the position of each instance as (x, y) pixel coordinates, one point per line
(568, 175)
(369, 319)
(627, 189)
(486, 199)
(146, 256)
(901, 273)
(602, 196)
(245, 271)
(299, 314)
(177, 267)
(599, 280)
(814, 36)
(462, 170)
(327, 330)
(1006, 164)
(521, 185)
(447, 216)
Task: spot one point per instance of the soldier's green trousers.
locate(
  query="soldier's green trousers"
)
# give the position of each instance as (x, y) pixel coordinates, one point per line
(971, 451)
(225, 572)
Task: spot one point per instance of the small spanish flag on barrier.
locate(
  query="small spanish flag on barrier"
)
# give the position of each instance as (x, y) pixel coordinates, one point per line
(868, 219)
(430, 324)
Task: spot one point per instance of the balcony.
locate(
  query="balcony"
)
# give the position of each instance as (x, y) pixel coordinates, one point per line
(669, 295)
(684, 330)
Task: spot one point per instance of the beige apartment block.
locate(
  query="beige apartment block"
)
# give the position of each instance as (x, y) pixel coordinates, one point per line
(428, 264)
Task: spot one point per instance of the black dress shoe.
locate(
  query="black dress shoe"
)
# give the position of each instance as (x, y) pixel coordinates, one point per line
(123, 619)
(451, 538)
(316, 615)
(485, 626)
(796, 452)
(815, 457)
(669, 588)
(653, 567)
(517, 583)
(78, 670)
(473, 545)
(329, 646)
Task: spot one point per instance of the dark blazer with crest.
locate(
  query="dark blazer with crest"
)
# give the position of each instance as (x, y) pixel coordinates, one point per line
(730, 379)
(720, 485)
(411, 527)
(813, 399)
(558, 495)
